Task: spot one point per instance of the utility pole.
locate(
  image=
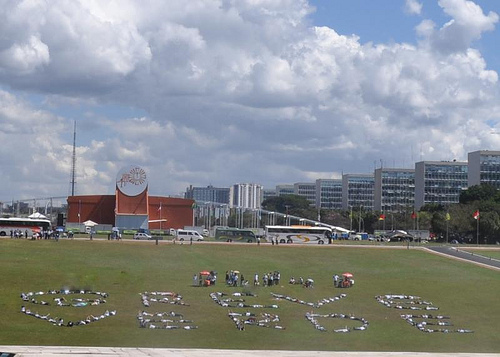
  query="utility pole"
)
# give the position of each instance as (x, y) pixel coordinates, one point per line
(73, 162)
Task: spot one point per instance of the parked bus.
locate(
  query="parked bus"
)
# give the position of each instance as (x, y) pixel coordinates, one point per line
(299, 234)
(234, 235)
(22, 225)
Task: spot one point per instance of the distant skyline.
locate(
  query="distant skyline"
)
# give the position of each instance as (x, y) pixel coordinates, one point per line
(222, 92)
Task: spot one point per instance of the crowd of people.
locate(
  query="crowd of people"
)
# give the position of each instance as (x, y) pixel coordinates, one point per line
(268, 279)
(44, 234)
(423, 322)
(313, 318)
(237, 300)
(62, 301)
(312, 304)
(163, 297)
(235, 278)
(164, 320)
(248, 318)
(58, 321)
(405, 302)
(205, 278)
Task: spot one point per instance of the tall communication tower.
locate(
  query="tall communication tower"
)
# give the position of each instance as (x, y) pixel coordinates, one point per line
(73, 163)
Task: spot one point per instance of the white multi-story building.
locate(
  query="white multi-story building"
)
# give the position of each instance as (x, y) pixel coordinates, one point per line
(245, 195)
(394, 189)
(439, 182)
(484, 168)
(307, 190)
(329, 193)
(357, 191)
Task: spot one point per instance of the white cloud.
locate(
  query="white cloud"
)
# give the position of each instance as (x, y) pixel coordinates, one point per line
(26, 57)
(232, 91)
(467, 25)
(413, 7)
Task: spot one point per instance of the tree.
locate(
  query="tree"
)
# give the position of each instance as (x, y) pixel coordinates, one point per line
(479, 193)
(291, 204)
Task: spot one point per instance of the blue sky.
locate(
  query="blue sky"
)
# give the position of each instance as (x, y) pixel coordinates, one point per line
(270, 92)
(384, 21)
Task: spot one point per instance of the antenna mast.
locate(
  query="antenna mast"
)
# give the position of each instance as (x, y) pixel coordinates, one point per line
(73, 163)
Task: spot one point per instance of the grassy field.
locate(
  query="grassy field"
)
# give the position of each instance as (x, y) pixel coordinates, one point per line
(465, 292)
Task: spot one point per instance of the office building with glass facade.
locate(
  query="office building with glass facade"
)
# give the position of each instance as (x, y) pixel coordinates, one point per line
(329, 193)
(439, 182)
(484, 168)
(208, 194)
(268, 193)
(284, 190)
(307, 190)
(394, 189)
(357, 191)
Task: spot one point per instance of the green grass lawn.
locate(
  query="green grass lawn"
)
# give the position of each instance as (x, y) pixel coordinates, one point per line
(465, 292)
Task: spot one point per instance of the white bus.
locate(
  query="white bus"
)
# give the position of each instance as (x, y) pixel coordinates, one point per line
(23, 226)
(299, 234)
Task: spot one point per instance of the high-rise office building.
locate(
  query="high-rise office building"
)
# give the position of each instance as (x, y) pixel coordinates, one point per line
(268, 193)
(439, 182)
(329, 193)
(208, 194)
(282, 190)
(484, 168)
(357, 191)
(245, 195)
(394, 189)
(307, 190)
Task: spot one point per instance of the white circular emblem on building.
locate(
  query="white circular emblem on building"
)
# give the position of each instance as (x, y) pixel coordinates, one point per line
(131, 180)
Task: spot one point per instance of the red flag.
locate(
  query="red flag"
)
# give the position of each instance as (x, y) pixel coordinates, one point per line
(413, 215)
(476, 215)
(382, 217)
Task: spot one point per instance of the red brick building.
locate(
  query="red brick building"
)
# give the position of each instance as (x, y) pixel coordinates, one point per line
(131, 207)
(177, 212)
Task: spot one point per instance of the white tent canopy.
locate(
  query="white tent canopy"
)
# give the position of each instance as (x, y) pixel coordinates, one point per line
(37, 215)
(90, 223)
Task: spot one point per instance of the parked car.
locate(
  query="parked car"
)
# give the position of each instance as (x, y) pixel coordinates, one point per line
(142, 236)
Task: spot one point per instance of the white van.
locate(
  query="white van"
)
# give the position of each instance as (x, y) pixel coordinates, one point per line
(187, 235)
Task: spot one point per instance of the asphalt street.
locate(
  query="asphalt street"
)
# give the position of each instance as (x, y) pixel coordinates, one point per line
(475, 258)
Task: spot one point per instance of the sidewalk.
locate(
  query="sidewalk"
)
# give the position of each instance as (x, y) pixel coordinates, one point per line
(65, 351)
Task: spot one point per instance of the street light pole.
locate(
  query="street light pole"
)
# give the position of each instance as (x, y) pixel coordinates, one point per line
(350, 216)
(359, 220)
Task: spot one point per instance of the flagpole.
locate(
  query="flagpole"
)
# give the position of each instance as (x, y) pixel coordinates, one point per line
(447, 230)
(160, 217)
(447, 219)
(477, 230)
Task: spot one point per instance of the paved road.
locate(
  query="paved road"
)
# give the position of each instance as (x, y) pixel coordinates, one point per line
(64, 351)
(453, 252)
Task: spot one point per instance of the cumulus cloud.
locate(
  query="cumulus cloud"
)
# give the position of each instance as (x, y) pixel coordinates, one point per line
(233, 91)
(413, 7)
(467, 25)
